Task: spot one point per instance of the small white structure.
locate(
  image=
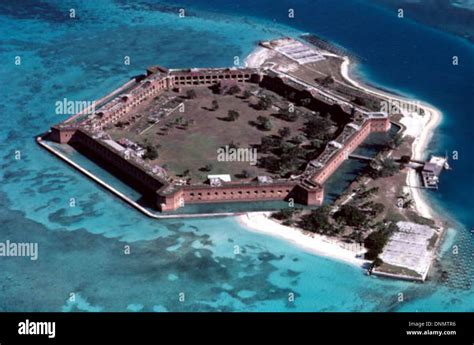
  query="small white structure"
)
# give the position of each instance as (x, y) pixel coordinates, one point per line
(216, 180)
(115, 145)
(264, 179)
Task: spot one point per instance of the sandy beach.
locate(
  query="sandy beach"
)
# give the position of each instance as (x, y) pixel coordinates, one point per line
(313, 243)
(258, 57)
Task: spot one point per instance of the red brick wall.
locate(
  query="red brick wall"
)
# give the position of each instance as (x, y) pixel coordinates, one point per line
(380, 125)
(197, 194)
(62, 135)
(170, 202)
(133, 172)
(240, 192)
(212, 77)
(372, 125)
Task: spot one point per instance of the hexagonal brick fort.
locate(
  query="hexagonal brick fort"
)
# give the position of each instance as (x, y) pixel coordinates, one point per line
(86, 130)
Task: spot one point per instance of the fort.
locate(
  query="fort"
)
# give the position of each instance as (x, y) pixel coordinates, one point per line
(122, 128)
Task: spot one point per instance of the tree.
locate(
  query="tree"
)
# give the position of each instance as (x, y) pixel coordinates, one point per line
(289, 161)
(351, 215)
(180, 120)
(247, 173)
(234, 89)
(395, 141)
(384, 167)
(389, 167)
(377, 208)
(288, 115)
(377, 240)
(190, 94)
(151, 152)
(261, 119)
(271, 163)
(264, 123)
(298, 139)
(284, 214)
(233, 115)
(375, 243)
(318, 128)
(317, 221)
(284, 132)
(264, 103)
(267, 125)
(246, 94)
(366, 193)
(207, 167)
(267, 144)
(316, 143)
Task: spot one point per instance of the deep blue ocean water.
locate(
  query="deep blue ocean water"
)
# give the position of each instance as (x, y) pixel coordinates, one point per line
(81, 249)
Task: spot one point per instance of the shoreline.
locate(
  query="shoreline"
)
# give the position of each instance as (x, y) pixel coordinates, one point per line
(310, 242)
(420, 127)
(257, 57)
(423, 132)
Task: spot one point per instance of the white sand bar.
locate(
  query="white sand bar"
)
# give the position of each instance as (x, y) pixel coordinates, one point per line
(311, 242)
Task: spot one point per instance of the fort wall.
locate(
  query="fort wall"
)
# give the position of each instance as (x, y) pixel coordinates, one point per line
(297, 93)
(369, 126)
(62, 134)
(128, 169)
(213, 76)
(168, 197)
(235, 192)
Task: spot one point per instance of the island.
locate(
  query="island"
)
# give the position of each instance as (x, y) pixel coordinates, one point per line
(274, 130)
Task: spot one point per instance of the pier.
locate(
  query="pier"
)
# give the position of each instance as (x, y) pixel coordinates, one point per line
(328, 46)
(361, 157)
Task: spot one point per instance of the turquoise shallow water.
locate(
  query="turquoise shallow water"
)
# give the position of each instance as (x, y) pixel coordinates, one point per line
(81, 248)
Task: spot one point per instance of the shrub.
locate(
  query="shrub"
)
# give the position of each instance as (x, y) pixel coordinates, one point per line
(284, 214)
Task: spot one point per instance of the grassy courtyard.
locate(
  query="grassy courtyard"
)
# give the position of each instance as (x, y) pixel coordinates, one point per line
(193, 125)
